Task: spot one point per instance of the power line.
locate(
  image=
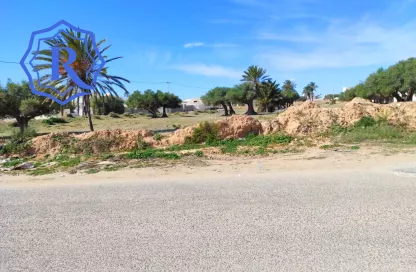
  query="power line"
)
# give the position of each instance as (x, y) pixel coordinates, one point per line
(3, 61)
(135, 81)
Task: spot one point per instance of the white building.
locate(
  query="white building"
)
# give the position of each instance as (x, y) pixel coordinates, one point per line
(194, 104)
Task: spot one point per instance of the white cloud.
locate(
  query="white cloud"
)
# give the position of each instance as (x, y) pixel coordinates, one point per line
(195, 44)
(216, 45)
(342, 45)
(209, 70)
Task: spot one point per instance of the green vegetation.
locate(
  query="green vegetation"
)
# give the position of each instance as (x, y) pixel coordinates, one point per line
(370, 130)
(152, 154)
(152, 101)
(17, 101)
(54, 120)
(19, 143)
(107, 104)
(398, 81)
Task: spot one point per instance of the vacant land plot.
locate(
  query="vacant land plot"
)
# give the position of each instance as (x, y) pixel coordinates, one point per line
(126, 122)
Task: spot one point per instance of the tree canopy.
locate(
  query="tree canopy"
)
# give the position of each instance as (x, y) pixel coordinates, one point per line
(17, 101)
(152, 101)
(398, 81)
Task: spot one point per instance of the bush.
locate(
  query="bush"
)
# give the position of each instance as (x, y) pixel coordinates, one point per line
(69, 115)
(54, 120)
(205, 132)
(365, 121)
(113, 115)
(18, 142)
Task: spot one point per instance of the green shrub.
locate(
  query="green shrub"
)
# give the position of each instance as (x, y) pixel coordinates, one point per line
(199, 153)
(69, 115)
(205, 132)
(12, 163)
(54, 120)
(365, 121)
(19, 142)
(113, 115)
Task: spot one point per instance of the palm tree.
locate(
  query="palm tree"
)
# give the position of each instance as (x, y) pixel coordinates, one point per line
(84, 67)
(309, 90)
(255, 76)
(269, 96)
(289, 93)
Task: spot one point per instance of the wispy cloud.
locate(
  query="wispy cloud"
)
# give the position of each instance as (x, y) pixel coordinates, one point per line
(209, 70)
(343, 45)
(193, 44)
(216, 45)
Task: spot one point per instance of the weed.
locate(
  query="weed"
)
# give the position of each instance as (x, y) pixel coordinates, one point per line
(92, 171)
(355, 147)
(157, 137)
(41, 171)
(12, 163)
(199, 153)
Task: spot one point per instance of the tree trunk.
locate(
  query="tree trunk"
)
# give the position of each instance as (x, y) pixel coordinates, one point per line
(21, 123)
(78, 106)
(409, 96)
(398, 97)
(88, 108)
(231, 108)
(62, 112)
(153, 113)
(225, 108)
(164, 112)
(250, 108)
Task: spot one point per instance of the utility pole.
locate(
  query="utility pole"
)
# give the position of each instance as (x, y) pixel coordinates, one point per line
(168, 82)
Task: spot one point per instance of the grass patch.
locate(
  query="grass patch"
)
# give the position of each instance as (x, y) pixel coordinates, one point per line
(66, 161)
(92, 171)
(41, 171)
(152, 154)
(369, 130)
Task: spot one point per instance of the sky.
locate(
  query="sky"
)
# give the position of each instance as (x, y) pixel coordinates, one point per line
(198, 45)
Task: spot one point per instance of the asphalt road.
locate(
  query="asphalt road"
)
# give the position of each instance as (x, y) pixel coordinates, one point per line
(298, 222)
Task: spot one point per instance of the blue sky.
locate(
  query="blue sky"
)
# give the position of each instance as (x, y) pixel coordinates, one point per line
(209, 43)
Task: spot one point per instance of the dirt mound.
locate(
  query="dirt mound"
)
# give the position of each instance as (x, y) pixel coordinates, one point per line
(95, 142)
(307, 118)
(179, 136)
(238, 126)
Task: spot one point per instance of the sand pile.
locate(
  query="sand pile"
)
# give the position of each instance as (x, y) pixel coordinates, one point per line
(307, 118)
(95, 142)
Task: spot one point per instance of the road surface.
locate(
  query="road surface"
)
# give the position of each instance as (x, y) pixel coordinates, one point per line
(306, 221)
